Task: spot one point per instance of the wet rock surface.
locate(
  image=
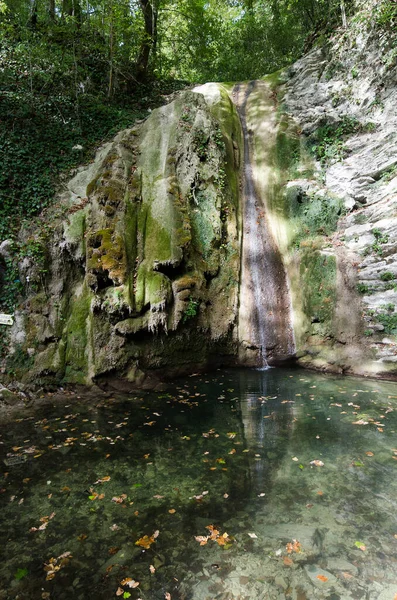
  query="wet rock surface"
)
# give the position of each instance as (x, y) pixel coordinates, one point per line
(350, 85)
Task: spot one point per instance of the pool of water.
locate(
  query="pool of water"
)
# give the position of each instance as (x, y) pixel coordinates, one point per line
(235, 485)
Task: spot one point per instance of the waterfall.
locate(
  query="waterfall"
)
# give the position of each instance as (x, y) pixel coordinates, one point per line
(265, 306)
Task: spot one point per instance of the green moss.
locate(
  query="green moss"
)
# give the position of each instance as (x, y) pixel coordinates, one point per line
(105, 253)
(318, 281)
(77, 338)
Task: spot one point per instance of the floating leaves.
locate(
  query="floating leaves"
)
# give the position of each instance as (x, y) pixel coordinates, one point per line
(106, 478)
(44, 523)
(317, 463)
(215, 536)
(293, 546)
(56, 564)
(128, 581)
(360, 546)
(94, 496)
(119, 499)
(322, 578)
(146, 541)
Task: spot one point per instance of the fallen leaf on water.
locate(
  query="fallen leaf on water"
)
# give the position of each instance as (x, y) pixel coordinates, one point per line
(360, 422)
(172, 511)
(103, 479)
(202, 539)
(347, 575)
(226, 496)
(361, 546)
(129, 582)
(317, 463)
(146, 541)
(114, 527)
(380, 429)
(253, 536)
(167, 596)
(288, 561)
(119, 591)
(369, 453)
(293, 546)
(119, 499)
(295, 459)
(322, 577)
(152, 569)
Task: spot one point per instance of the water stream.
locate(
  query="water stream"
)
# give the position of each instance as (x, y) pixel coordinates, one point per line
(265, 308)
(294, 471)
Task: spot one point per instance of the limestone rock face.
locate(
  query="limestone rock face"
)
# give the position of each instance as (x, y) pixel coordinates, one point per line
(136, 269)
(142, 259)
(348, 91)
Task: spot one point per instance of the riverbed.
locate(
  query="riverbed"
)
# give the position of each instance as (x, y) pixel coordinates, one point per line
(242, 484)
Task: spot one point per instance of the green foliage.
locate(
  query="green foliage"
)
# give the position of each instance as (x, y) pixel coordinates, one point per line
(315, 215)
(11, 287)
(363, 288)
(386, 14)
(387, 276)
(389, 322)
(55, 108)
(191, 309)
(380, 239)
(20, 573)
(329, 140)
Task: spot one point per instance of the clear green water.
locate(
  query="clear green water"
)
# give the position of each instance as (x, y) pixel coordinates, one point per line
(218, 450)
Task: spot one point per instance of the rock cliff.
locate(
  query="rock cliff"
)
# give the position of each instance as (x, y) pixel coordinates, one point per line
(139, 269)
(139, 260)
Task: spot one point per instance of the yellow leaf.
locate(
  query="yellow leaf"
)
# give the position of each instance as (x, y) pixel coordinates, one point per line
(322, 577)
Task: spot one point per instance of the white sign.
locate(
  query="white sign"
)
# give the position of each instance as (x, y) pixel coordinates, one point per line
(6, 319)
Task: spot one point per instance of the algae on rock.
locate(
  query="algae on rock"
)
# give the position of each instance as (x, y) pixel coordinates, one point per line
(148, 228)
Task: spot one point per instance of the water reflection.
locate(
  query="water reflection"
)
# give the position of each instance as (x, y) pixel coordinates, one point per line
(236, 451)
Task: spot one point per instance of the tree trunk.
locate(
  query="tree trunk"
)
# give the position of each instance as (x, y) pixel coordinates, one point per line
(149, 42)
(51, 10)
(343, 11)
(72, 8)
(33, 14)
(111, 52)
